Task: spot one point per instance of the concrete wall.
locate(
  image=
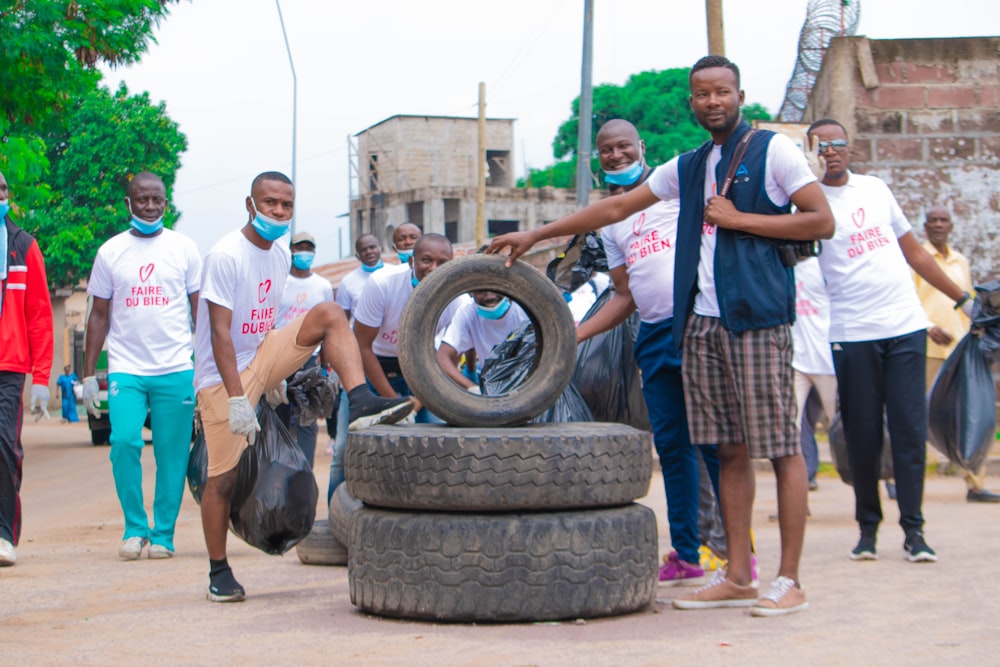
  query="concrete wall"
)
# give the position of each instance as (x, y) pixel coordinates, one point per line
(924, 115)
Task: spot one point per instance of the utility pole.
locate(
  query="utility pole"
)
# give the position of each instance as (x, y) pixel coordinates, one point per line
(716, 38)
(584, 128)
(481, 171)
(295, 99)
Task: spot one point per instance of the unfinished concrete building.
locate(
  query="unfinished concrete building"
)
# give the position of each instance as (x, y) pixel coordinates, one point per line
(423, 169)
(924, 115)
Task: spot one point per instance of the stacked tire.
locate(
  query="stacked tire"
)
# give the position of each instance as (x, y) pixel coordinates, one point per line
(487, 520)
(500, 525)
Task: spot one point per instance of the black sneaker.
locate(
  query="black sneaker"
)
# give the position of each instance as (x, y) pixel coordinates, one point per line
(223, 587)
(917, 550)
(367, 409)
(865, 549)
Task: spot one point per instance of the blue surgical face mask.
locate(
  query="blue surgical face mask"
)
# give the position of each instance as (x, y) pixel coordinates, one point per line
(4, 208)
(494, 312)
(625, 177)
(268, 228)
(404, 255)
(372, 269)
(303, 260)
(144, 227)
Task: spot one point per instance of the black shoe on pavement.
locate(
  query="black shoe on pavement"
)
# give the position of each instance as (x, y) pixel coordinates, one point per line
(865, 549)
(982, 496)
(223, 587)
(917, 550)
(367, 409)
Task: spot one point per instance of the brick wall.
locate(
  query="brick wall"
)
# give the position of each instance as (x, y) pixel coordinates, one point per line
(924, 115)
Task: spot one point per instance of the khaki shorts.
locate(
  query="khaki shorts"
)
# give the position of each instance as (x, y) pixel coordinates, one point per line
(277, 358)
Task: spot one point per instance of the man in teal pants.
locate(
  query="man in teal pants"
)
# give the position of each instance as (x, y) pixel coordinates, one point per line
(144, 286)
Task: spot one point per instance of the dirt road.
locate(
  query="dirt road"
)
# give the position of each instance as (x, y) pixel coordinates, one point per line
(70, 600)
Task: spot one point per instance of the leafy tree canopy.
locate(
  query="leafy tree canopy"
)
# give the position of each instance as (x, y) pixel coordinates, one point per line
(656, 102)
(67, 146)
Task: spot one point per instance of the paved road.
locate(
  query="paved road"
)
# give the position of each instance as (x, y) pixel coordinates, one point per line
(71, 599)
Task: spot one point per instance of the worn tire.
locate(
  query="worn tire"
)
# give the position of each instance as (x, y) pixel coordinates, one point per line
(320, 547)
(503, 567)
(554, 362)
(538, 467)
(342, 508)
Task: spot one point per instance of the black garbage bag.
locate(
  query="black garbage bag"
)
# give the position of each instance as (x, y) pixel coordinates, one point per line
(583, 255)
(838, 450)
(607, 375)
(312, 395)
(197, 471)
(961, 402)
(274, 499)
(510, 363)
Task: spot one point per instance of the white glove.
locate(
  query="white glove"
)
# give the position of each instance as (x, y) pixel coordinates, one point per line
(474, 389)
(90, 399)
(242, 418)
(40, 401)
(967, 307)
(278, 395)
(815, 160)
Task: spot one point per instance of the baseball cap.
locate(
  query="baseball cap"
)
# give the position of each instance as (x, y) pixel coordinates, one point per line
(303, 237)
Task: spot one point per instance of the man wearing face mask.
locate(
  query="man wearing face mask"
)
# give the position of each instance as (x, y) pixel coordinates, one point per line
(478, 327)
(376, 321)
(26, 332)
(404, 238)
(303, 290)
(240, 356)
(144, 290)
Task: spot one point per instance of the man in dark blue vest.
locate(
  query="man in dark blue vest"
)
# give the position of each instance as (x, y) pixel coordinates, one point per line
(734, 299)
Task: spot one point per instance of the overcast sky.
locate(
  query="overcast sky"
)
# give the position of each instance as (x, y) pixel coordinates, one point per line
(222, 69)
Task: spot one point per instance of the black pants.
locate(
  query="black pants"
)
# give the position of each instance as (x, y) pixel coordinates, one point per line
(11, 454)
(888, 375)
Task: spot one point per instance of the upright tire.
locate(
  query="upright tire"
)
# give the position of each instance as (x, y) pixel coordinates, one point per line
(555, 334)
(537, 467)
(503, 567)
(342, 508)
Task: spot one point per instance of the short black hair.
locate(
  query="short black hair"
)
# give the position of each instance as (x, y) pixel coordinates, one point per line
(715, 61)
(270, 176)
(825, 121)
(431, 238)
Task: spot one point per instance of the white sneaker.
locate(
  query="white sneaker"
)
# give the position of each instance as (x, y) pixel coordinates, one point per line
(131, 549)
(158, 551)
(8, 555)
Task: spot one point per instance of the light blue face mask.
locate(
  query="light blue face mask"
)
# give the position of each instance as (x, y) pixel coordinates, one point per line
(4, 208)
(494, 312)
(269, 229)
(626, 176)
(413, 279)
(372, 269)
(146, 228)
(404, 255)
(303, 260)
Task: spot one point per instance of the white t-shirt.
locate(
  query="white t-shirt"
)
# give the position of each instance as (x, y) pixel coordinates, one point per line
(355, 281)
(872, 295)
(248, 281)
(586, 295)
(785, 173)
(300, 295)
(468, 329)
(810, 333)
(381, 306)
(148, 280)
(644, 244)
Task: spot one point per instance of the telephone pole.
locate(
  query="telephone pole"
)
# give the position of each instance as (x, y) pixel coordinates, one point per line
(583, 148)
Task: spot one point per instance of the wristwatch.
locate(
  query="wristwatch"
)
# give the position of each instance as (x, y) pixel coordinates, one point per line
(961, 302)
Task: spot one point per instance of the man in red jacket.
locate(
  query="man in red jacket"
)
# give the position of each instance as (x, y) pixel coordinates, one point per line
(26, 332)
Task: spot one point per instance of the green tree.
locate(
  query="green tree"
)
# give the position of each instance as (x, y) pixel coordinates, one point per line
(656, 102)
(106, 140)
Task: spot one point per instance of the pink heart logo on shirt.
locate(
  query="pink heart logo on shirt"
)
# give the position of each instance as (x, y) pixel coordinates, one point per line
(859, 218)
(637, 225)
(263, 289)
(301, 298)
(145, 272)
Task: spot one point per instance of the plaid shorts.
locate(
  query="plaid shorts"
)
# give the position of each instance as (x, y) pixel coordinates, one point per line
(740, 388)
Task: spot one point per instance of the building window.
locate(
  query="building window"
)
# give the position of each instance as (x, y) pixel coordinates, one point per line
(497, 227)
(499, 174)
(451, 231)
